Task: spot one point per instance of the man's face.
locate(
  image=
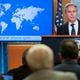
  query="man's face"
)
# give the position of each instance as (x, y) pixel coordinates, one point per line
(71, 13)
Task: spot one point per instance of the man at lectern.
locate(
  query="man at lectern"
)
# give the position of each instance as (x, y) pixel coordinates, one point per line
(72, 26)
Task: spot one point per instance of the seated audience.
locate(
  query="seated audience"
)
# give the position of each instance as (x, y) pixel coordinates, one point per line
(40, 59)
(69, 56)
(22, 71)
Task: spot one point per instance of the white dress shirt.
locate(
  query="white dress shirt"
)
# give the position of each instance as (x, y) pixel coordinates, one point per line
(75, 27)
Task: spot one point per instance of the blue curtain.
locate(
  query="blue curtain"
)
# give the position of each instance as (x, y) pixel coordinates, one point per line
(3, 57)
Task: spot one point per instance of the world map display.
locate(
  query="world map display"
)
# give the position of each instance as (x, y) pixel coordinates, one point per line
(25, 17)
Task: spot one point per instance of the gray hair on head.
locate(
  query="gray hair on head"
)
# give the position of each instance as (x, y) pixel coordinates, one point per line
(69, 4)
(40, 56)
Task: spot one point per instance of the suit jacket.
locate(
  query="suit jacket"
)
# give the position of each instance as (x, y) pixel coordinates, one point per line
(63, 30)
(45, 75)
(20, 72)
(69, 66)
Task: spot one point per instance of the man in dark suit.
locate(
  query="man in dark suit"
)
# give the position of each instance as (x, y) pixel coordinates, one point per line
(72, 27)
(69, 55)
(22, 71)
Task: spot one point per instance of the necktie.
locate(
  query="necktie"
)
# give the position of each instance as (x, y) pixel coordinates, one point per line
(73, 30)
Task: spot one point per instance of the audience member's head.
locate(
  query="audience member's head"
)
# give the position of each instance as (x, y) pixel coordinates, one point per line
(39, 57)
(69, 49)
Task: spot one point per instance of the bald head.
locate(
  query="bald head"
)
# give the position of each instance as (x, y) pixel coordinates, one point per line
(40, 56)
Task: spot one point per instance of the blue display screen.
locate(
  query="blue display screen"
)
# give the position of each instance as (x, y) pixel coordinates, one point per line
(25, 18)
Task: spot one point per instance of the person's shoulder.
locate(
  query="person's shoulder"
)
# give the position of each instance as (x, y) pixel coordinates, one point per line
(61, 29)
(78, 21)
(15, 70)
(57, 67)
(65, 24)
(43, 75)
(12, 71)
(77, 66)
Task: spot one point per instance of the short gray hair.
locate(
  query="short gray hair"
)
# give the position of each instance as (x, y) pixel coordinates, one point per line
(69, 4)
(40, 56)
